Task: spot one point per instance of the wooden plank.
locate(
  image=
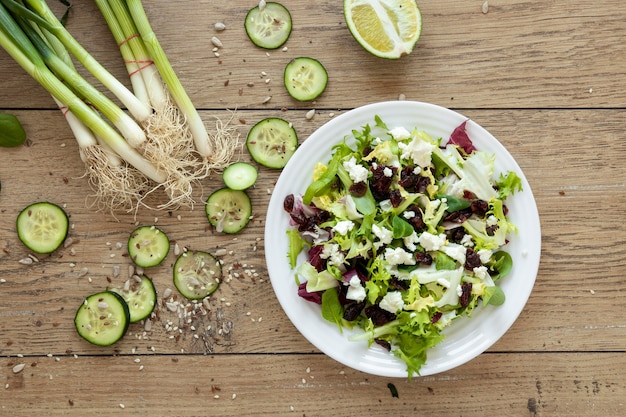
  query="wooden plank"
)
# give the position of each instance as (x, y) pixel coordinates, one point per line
(518, 55)
(535, 384)
(575, 304)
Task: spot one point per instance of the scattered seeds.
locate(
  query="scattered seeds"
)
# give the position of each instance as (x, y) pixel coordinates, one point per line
(310, 114)
(485, 7)
(26, 261)
(217, 42)
(219, 26)
(18, 368)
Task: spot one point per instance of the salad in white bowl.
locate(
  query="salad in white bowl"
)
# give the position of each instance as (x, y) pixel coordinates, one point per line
(398, 235)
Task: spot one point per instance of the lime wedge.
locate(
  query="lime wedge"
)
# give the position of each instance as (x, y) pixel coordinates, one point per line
(385, 28)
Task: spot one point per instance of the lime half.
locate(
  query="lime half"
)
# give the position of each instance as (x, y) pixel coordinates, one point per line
(385, 28)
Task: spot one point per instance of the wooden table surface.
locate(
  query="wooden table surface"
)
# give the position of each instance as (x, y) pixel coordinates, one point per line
(545, 77)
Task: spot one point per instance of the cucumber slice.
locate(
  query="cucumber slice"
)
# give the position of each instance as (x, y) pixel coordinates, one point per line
(197, 274)
(269, 27)
(148, 246)
(228, 210)
(42, 227)
(305, 78)
(103, 318)
(240, 175)
(271, 142)
(140, 295)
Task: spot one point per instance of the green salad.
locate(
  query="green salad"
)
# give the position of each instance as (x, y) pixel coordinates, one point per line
(403, 234)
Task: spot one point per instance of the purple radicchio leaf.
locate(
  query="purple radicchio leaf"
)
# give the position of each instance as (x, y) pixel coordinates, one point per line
(460, 138)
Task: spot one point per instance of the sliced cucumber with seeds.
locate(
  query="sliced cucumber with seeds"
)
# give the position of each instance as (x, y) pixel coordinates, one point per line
(240, 175)
(268, 27)
(305, 78)
(140, 295)
(42, 227)
(228, 210)
(103, 318)
(272, 142)
(148, 246)
(197, 274)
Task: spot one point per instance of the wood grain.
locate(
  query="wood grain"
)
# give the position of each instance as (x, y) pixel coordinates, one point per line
(545, 78)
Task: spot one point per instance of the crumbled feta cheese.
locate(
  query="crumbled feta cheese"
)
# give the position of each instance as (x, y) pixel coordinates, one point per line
(485, 255)
(343, 227)
(455, 251)
(333, 254)
(356, 291)
(384, 235)
(459, 290)
(481, 272)
(392, 302)
(358, 173)
(467, 241)
(398, 256)
(432, 242)
(385, 205)
(419, 151)
(399, 133)
(411, 241)
(408, 214)
(492, 220)
(387, 172)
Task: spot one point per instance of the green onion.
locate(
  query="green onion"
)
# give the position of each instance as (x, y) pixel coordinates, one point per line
(163, 145)
(134, 105)
(25, 54)
(198, 130)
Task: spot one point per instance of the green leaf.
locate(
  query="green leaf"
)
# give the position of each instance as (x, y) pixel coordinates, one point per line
(502, 264)
(331, 307)
(296, 244)
(454, 203)
(401, 228)
(12, 132)
(494, 296)
(444, 262)
(508, 184)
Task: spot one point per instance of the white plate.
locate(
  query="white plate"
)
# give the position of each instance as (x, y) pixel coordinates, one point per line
(465, 338)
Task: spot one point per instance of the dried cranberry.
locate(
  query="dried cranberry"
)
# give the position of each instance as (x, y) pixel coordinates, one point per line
(353, 310)
(398, 284)
(395, 197)
(472, 259)
(468, 195)
(422, 184)
(358, 189)
(459, 216)
(416, 221)
(288, 203)
(380, 183)
(466, 294)
(423, 258)
(378, 315)
(456, 234)
(385, 344)
(479, 207)
(408, 178)
(436, 317)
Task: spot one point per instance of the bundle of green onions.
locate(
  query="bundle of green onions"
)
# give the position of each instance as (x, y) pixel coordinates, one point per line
(159, 143)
